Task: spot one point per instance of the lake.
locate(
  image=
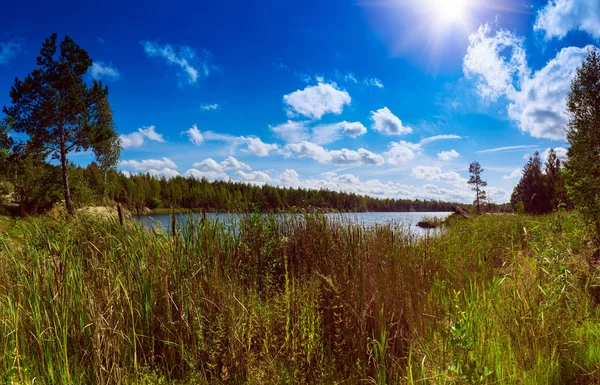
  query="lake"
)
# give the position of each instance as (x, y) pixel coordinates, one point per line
(407, 220)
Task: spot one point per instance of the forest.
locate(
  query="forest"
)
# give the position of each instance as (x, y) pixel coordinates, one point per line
(34, 187)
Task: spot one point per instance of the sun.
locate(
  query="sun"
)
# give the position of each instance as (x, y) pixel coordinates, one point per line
(449, 11)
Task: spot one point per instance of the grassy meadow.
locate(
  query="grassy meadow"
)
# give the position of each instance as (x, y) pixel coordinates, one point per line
(496, 299)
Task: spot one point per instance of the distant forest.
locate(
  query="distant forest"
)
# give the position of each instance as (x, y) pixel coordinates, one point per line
(36, 188)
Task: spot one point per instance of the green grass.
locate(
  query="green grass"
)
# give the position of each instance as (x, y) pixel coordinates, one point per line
(493, 300)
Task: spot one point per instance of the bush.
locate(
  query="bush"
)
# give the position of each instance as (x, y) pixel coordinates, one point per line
(155, 203)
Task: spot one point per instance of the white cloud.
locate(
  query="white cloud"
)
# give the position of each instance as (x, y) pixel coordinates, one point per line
(136, 139)
(258, 147)
(165, 172)
(209, 175)
(291, 132)
(350, 77)
(194, 135)
(435, 173)
(374, 82)
(508, 149)
(559, 17)
(316, 101)
(536, 102)
(307, 149)
(561, 153)
(347, 157)
(253, 145)
(513, 175)
(191, 64)
(374, 187)
(497, 62)
(327, 133)
(447, 156)
(342, 157)
(435, 138)
(210, 107)
(151, 134)
(254, 176)
(149, 164)
(99, 70)
(540, 107)
(385, 122)
(401, 152)
(8, 50)
(289, 178)
(229, 163)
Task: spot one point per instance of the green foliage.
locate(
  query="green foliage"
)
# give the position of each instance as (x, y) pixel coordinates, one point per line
(583, 170)
(541, 192)
(36, 188)
(58, 111)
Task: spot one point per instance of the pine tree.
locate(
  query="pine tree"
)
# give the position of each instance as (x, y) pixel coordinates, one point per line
(531, 190)
(475, 180)
(57, 109)
(583, 168)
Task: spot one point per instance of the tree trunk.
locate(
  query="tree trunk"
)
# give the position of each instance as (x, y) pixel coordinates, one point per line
(65, 175)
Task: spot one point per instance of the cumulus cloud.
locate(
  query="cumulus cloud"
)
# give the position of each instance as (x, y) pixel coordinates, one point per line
(561, 153)
(136, 139)
(193, 66)
(254, 176)
(559, 17)
(385, 122)
(328, 133)
(316, 101)
(208, 175)
(342, 157)
(401, 152)
(540, 107)
(536, 102)
(291, 132)
(435, 173)
(8, 50)
(374, 187)
(165, 172)
(497, 61)
(149, 164)
(100, 70)
(289, 178)
(252, 145)
(447, 156)
(194, 135)
(513, 175)
(257, 147)
(229, 163)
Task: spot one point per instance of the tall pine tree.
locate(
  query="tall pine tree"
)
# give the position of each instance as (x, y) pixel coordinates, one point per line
(57, 109)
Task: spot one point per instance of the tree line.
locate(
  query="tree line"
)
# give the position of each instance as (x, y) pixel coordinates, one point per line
(34, 186)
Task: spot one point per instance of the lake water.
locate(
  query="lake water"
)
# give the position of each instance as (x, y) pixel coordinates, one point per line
(406, 220)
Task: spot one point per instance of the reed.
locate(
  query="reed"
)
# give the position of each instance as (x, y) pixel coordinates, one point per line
(297, 299)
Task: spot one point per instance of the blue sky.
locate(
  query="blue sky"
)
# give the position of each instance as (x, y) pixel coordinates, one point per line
(390, 98)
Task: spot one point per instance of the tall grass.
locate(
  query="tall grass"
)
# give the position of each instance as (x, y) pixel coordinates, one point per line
(298, 299)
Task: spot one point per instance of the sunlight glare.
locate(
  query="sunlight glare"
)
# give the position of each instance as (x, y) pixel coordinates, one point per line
(449, 11)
